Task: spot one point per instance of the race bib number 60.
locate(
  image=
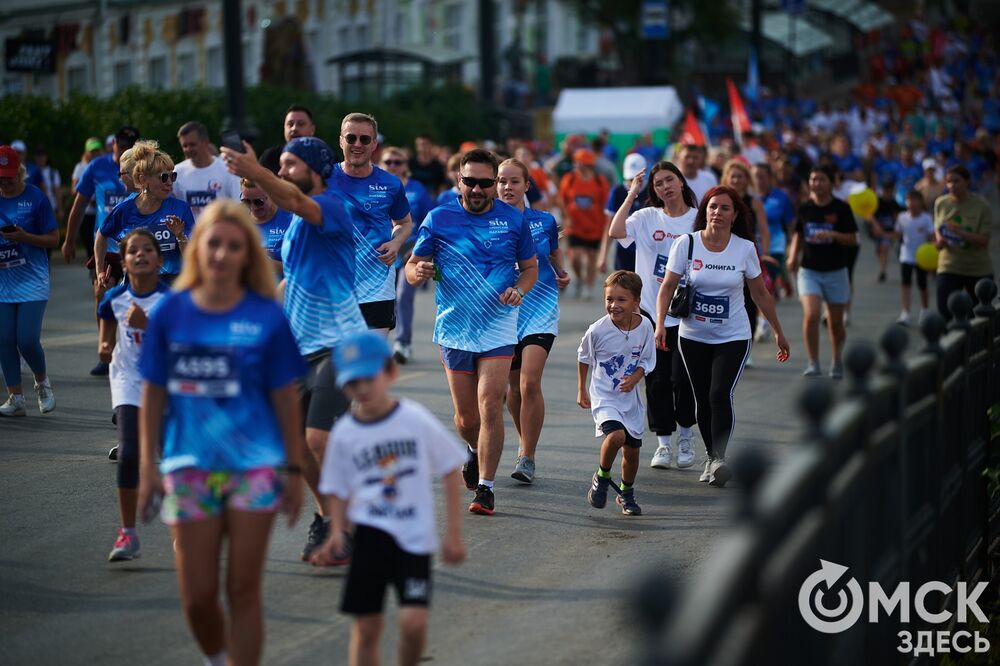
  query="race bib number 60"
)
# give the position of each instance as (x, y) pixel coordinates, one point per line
(208, 372)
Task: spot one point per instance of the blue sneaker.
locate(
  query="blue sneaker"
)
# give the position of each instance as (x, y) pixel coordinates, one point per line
(598, 493)
(626, 500)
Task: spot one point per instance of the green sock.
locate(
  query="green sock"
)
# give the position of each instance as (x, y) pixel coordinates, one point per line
(625, 486)
(604, 473)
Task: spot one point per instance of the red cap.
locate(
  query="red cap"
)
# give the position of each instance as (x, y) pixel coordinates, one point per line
(10, 163)
(585, 157)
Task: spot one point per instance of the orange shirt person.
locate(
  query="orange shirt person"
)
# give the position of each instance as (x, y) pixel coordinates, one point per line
(582, 193)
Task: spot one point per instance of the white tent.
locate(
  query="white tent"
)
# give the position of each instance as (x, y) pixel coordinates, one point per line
(621, 110)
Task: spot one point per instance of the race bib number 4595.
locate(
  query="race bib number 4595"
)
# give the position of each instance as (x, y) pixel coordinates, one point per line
(208, 372)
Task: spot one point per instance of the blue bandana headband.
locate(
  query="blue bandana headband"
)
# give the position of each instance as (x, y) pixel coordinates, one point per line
(314, 152)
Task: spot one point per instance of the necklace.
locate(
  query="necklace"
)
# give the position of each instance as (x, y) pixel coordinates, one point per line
(627, 331)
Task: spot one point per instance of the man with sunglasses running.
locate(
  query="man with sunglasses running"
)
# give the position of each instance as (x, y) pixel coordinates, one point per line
(470, 246)
(382, 221)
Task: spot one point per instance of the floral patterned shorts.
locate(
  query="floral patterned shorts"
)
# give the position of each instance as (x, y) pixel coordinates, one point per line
(195, 494)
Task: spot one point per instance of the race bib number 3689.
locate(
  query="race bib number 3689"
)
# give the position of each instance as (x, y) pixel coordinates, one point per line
(710, 307)
(208, 372)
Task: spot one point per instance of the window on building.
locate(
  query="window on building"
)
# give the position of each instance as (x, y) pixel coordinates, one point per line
(343, 40)
(186, 76)
(453, 17)
(158, 77)
(215, 67)
(363, 36)
(76, 79)
(122, 75)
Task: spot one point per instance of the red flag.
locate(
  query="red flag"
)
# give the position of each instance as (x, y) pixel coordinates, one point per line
(692, 133)
(738, 114)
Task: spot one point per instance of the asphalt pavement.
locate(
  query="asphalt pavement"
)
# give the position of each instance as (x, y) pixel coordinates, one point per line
(548, 580)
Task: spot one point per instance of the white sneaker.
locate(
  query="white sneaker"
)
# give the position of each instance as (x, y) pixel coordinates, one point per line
(903, 318)
(749, 362)
(588, 293)
(46, 398)
(720, 473)
(401, 353)
(14, 406)
(763, 332)
(685, 450)
(707, 474)
(661, 459)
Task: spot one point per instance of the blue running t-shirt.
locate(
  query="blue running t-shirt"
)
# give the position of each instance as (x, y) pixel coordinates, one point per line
(24, 269)
(126, 216)
(378, 199)
(475, 255)
(540, 307)
(218, 370)
(100, 180)
(273, 231)
(319, 276)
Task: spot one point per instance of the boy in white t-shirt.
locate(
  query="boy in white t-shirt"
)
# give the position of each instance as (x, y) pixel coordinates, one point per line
(621, 349)
(377, 472)
(914, 227)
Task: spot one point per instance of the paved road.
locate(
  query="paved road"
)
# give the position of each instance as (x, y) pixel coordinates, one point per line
(548, 578)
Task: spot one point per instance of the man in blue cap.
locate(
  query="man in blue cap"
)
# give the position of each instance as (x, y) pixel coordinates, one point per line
(318, 259)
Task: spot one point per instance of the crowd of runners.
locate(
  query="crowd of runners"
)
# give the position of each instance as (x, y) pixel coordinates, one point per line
(252, 313)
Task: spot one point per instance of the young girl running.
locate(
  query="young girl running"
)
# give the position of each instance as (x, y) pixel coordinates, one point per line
(123, 315)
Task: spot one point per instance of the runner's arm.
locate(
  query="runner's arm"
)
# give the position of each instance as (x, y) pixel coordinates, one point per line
(419, 270)
(76, 213)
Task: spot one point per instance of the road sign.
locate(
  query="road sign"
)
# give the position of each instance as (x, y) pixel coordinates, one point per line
(655, 19)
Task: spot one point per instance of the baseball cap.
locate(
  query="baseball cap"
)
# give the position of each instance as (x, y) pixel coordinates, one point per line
(93, 143)
(360, 356)
(109, 140)
(126, 137)
(10, 163)
(584, 156)
(928, 163)
(19, 146)
(634, 163)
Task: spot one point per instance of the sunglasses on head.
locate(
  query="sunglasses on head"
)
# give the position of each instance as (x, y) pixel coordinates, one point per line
(483, 183)
(253, 203)
(352, 139)
(392, 162)
(168, 177)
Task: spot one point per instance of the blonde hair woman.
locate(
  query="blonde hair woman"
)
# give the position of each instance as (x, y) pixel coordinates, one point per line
(221, 370)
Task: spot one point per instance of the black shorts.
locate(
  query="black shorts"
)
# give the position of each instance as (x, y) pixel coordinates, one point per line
(609, 427)
(380, 314)
(576, 241)
(907, 271)
(543, 340)
(377, 561)
(322, 402)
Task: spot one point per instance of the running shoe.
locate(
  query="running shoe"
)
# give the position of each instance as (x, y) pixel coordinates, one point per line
(685, 450)
(483, 503)
(706, 476)
(46, 398)
(113, 453)
(401, 353)
(14, 406)
(720, 473)
(661, 457)
(126, 548)
(837, 370)
(748, 363)
(598, 493)
(470, 470)
(812, 370)
(626, 500)
(903, 319)
(99, 370)
(318, 531)
(763, 332)
(524, 469)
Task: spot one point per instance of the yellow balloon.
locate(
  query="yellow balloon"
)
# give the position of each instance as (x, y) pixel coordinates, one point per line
(863, 203)
(927, 257)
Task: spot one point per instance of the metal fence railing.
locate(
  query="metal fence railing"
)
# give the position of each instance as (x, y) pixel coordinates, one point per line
(890, 484)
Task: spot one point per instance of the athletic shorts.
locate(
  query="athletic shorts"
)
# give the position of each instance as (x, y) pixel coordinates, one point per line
(906, 274)
(609, 427)
(378, 561)
(576, 241)
(458, 360)
(543, 340)
(195, 494)
(833, 287)
(322, 402)
(379, 314)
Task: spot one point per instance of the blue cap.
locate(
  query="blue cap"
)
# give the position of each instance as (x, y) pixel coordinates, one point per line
(360, 356)
(314, 152)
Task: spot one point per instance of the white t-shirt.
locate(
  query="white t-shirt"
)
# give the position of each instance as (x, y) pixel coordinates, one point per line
(200, 187)
(916, 231)
(703, 182)
(613, 354)
(77, 173)
(718, 313)
(126, 380)
(654, 232)
(385, 470)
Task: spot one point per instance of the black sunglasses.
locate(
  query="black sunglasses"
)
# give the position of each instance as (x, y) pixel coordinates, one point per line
(392, 162)
(253, 203)
(168, 177)
(483, 183)
(352, 139)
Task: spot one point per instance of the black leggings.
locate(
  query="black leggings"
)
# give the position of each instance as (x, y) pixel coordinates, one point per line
(751, 308)
(668, 392)
(949, 282)
(128, 446)
(713, 371)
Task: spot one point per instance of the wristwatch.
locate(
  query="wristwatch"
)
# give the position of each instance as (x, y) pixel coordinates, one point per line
(520, 292)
